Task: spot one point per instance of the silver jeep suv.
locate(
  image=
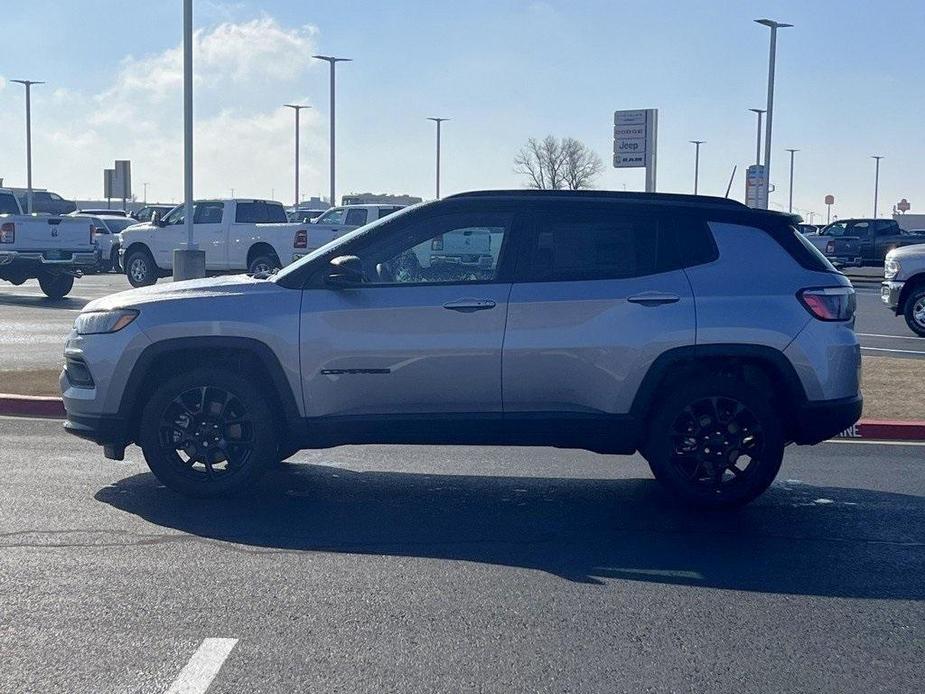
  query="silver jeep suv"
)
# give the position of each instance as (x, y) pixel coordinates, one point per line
(699, 332)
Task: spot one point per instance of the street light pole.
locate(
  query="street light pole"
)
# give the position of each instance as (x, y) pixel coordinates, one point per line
(332, 61)
(760, 112)
(696, 144)
(189, 262)
(28, 85)
(774, 26)
(145, 186)
(298, 109)
(876, 182)
(792, 152)
(438, 121)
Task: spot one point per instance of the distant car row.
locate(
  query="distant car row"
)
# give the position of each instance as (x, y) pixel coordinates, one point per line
(860, 242)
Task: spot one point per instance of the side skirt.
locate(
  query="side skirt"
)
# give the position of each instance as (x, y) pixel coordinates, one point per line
(615, 434)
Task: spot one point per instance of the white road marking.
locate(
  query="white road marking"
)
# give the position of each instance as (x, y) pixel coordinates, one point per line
(894, 351)
(893, 337)
(202, 668)
(875, 442)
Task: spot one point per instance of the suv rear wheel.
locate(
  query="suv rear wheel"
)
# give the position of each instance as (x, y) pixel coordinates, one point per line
(914, 311)
(715, 442)
(208, 433)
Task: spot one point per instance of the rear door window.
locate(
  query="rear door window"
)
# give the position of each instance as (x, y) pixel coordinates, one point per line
(591, 244)
(8, 204)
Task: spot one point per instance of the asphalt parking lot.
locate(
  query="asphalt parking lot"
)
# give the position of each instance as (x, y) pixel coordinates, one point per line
(409, 569)
(33, 329)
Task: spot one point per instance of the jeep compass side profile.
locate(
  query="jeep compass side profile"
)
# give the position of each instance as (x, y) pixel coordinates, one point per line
(703, 334)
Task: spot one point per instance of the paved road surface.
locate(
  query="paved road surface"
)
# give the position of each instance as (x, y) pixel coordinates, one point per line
(33, 329)
(408, 569)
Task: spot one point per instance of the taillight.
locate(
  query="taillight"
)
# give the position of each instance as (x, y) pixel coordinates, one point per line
(830, 248)
(8, 232)
(829, 303)
(301, 239)
(437, 243)
(92, 232)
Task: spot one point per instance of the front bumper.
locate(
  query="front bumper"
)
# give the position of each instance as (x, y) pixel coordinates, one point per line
(890, 292)
(820, 420)
(109, 432)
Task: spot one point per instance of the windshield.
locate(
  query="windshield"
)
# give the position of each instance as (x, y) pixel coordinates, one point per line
(331, 248)
(117, 225)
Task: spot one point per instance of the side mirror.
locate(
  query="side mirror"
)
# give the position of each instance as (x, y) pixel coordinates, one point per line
(156, 218)
(345, 271)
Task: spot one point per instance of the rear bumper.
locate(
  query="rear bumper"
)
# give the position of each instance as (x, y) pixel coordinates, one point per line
(72, 258)
(821, 420)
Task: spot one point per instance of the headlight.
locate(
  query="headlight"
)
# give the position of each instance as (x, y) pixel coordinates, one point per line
(97, 322)
(890, 269)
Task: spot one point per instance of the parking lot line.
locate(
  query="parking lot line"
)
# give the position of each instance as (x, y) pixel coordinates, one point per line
(892, 337)
(202, 668)
(894, 351)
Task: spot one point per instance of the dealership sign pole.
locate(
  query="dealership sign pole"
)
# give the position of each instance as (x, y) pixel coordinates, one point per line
(635, 138)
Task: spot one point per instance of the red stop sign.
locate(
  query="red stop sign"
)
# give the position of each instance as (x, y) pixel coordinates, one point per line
(829, 199)
(903, 205)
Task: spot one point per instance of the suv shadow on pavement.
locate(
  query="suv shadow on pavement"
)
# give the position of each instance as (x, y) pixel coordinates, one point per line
(798, 539)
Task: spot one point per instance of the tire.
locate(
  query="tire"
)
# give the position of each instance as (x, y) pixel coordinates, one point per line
(914, 311)
(264, 262)
(715, 442)
(56, 286)
(140, 269)
(208, 433)
(114, 260)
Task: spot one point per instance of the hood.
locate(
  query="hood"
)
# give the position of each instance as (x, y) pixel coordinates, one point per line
(915, 250)
(141, 226)
(210, 287)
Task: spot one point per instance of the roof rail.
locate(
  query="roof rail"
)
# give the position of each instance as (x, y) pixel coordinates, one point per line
(602, 194)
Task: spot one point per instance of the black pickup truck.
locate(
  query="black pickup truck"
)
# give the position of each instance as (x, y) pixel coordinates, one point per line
(859, 242)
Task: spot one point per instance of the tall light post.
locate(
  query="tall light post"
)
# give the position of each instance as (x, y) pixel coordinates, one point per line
(790, 205)
(876, 182)
(332, 61)
(760, 112)
(28, 85)
(696, 144)
(189, 262)
(438, 121)
(145, 186)
(774, 26)
(298, 109)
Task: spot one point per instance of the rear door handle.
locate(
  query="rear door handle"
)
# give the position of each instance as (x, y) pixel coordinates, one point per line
(469, 305)
(653, 298)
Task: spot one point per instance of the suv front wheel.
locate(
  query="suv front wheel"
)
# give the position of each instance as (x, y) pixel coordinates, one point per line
(914, 311)
(715, 442)
(208, 433)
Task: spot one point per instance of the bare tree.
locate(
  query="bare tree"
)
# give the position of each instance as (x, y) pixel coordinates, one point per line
(581, 165)
(552, 164)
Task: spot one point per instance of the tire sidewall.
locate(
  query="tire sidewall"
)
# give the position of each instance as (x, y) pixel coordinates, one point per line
(659, 448)
(151, 273)
(56, 286)
(270, 262)
(259, 413)
(914, 297)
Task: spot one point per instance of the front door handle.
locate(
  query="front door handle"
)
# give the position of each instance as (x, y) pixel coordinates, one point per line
(469, 305)
(654, 298)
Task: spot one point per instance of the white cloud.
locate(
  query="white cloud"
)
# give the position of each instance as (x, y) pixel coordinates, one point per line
(243, 73)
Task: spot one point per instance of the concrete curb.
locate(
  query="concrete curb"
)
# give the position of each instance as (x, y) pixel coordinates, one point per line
(870, 429)
(31, 406)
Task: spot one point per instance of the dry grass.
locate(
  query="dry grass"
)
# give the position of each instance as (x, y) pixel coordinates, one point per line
(893, 388)
(30, 382)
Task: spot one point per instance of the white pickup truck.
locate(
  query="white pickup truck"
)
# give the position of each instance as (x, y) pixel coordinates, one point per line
(236, 235)
(53, 250)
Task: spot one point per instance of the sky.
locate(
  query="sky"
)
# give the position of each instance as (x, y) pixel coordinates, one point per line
(849, 85)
